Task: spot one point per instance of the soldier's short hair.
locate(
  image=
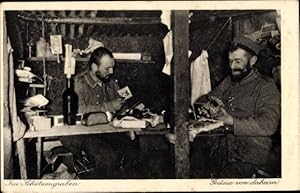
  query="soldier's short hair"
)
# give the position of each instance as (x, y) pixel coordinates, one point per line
(98, 54)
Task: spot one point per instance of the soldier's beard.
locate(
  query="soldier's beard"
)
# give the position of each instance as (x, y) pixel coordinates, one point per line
(103, 79)
(242, 73)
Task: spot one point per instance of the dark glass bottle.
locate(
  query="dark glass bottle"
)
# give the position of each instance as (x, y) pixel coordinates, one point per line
(70, 103)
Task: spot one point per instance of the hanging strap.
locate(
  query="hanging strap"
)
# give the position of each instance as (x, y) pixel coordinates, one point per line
(220, 31)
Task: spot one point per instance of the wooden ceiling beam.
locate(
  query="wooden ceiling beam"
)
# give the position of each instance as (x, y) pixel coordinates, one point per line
(95, 20)
(202, 15)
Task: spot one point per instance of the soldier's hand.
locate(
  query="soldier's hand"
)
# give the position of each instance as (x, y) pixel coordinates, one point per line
(226, 117)
(118, 103)
(216, 101)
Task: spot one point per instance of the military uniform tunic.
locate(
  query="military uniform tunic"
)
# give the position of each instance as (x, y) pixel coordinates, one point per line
(95, 96)
(104, 150)
(254, 103)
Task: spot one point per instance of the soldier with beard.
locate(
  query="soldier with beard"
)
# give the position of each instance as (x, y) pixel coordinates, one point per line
(97, 92)
(250, 104)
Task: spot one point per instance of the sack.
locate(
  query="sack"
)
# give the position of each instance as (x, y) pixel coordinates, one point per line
(95, 118)
(60, 173)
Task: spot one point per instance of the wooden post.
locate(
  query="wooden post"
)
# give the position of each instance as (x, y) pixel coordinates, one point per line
(22, 158)
(181, 91)
(39, 151)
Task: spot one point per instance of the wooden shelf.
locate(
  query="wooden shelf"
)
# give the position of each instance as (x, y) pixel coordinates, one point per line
(96, 20)
(81, 59)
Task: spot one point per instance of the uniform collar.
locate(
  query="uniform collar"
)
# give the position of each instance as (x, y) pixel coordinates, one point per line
(251, 76)
(92, 80)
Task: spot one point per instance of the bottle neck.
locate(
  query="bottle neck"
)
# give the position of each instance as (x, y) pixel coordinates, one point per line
(68, 83)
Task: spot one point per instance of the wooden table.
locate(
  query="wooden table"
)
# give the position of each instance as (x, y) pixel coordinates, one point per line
(60, 131)
(66, 130)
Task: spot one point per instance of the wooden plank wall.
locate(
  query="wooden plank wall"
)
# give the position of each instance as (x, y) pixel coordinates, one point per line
(252, 22)
(145, 80)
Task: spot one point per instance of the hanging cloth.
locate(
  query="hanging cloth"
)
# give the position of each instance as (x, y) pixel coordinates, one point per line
(168, 48)
(18, 126)
(167, 41)
(7, 129)
(165, 18)
(200, 77)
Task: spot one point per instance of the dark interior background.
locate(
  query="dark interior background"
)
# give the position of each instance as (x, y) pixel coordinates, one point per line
(145, 80)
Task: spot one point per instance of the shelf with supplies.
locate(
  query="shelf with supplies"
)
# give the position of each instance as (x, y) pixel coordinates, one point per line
(93, 20)
(86, 59)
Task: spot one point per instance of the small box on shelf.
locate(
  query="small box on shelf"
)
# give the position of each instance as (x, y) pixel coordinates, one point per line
(58, 120)
(33, 85)
(40, 122)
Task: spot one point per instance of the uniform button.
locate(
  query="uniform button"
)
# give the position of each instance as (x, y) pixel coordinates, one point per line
(98, 95)
(232, 109)
(230, 104)
(97, 103)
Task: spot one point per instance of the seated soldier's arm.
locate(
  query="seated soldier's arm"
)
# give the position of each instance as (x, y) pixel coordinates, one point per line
(111, 106)
(266, 119)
